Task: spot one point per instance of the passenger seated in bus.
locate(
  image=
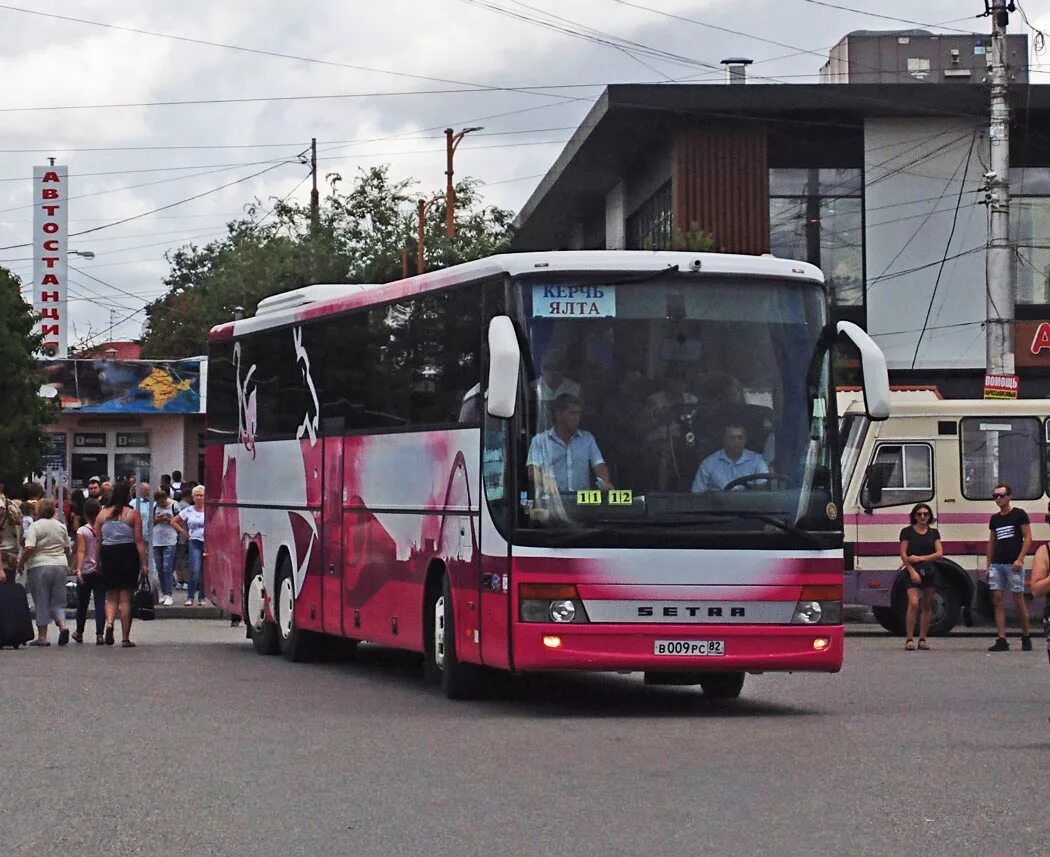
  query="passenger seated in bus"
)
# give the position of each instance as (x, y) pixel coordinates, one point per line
(553, 381)
(731, 462)
(562, 459)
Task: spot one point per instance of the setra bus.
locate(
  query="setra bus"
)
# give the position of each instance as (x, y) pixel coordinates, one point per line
(600, 460)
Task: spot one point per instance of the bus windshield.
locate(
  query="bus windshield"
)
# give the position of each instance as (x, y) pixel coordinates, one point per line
(674, 401)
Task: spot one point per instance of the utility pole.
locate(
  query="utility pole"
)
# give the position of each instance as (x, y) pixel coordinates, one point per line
(422, 207)
(452, 141)
(315, 199)
(999, 330)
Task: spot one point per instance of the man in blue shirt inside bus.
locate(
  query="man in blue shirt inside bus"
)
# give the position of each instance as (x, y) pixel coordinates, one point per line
(731, 462)
(561, 459)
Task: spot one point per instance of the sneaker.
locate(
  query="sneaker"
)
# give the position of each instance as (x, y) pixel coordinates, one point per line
(202, 603)
(1026, 644)
(188, 603)
(1000, 645)
(167, 602)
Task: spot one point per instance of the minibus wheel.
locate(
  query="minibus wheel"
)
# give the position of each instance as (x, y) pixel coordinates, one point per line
(947, 609)
(722, 685)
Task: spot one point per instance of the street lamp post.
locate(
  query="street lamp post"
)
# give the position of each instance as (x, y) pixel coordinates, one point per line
(452, 141)
(422, 207)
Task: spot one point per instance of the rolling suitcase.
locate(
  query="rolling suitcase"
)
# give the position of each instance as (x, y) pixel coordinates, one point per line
(16, 624)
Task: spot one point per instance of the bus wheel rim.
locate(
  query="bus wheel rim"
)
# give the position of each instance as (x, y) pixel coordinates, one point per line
(439, 632)
(287, 607)
(256, 602)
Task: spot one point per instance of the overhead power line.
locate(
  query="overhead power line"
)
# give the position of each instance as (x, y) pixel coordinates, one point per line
(887, 17)
(269, 53)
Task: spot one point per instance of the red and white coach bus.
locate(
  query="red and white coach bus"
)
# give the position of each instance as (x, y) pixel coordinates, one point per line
(498, 465)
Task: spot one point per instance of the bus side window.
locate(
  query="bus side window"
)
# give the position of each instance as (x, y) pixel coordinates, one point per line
(899, 473)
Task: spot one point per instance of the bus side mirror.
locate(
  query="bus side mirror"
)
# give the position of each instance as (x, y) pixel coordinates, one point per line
(504, 363)
(873, 367)
(872, 486)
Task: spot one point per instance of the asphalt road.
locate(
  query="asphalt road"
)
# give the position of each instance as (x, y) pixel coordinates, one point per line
(191, 744)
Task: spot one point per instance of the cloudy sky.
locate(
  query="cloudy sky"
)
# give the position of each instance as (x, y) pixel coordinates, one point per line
(149, 118)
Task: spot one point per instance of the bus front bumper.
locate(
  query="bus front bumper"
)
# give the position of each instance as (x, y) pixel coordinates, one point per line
(634, 647)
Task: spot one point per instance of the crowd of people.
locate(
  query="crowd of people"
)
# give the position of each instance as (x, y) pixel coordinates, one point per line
(110, 539)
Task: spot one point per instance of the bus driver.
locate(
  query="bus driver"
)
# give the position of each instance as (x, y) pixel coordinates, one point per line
(561, 459)
(731, 462)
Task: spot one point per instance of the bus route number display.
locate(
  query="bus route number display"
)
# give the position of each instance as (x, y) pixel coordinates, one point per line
(616, 497)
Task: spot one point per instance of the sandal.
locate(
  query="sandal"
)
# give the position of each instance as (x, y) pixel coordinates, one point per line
(77, 637)
(923, 644)
(127, 644)
(910, 645)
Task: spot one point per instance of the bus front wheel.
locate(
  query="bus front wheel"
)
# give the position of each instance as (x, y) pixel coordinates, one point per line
(263, 633)
(722, 685)
(458, 680)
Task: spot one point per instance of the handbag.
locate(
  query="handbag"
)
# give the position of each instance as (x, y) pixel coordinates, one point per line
(142, 601)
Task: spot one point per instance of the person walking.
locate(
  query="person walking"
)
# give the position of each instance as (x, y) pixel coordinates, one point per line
(89, 580)
(1009, 541)
(45, 559)
(167, 527)
(193, 518)
(122, 557)
(920, 547)
(10, 536)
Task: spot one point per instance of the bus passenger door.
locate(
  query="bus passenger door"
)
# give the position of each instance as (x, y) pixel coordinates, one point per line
(332, 535)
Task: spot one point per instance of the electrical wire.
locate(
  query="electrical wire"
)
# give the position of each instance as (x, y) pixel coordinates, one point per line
(263, 52)
(887, 17)
(947, 247)
(160, 208)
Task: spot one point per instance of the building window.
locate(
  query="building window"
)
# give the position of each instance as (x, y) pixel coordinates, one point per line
(817, 216)
(1030, 225)
(649, 228)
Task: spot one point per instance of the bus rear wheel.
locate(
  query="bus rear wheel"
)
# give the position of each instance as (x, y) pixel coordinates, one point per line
(722, 685)
(295, 644)
(262, 633)
(458, 680)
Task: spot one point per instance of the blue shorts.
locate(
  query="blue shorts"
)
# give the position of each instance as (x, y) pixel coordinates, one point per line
(1002, 575)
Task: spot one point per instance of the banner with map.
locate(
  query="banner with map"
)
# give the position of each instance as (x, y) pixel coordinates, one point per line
(126, 386)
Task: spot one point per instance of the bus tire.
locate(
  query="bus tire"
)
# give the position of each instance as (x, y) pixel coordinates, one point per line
(886, 617)
(458, 680)
(295, 644)
(947, 608)
(263, 634)
(722, 685)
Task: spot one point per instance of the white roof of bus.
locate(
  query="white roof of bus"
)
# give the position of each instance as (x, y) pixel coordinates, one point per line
(284, 309)
(964, 408)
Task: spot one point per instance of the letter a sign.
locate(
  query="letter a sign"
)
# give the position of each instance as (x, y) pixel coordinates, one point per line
(50, 256)
(1041, 338)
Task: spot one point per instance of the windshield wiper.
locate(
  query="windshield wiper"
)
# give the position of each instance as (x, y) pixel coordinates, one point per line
(780, 525)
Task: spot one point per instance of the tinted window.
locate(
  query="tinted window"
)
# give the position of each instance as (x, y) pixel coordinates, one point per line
(426, 357)
(222, 394)
(1001, 451)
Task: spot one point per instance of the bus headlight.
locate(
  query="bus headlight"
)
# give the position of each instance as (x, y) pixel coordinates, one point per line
(818, 605)
(550, 602)
(807, 613)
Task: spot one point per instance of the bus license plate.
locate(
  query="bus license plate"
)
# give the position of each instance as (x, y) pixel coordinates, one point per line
(689, 648)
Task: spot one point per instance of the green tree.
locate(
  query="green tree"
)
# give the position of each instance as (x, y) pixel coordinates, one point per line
(23, 414)
(360, 237)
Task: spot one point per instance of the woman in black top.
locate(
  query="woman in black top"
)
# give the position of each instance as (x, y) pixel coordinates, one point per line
(920, 546)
